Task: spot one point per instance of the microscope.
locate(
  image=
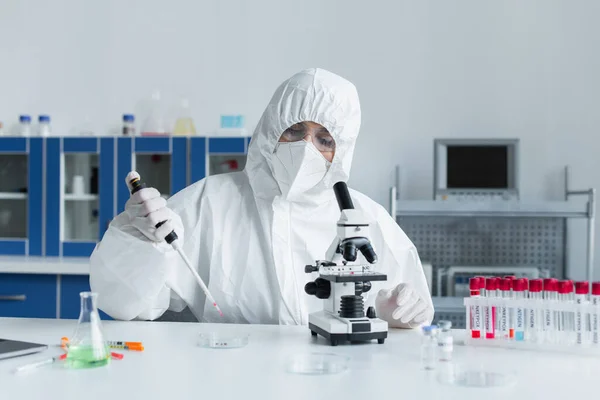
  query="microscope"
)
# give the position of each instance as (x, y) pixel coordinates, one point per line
(342, 281)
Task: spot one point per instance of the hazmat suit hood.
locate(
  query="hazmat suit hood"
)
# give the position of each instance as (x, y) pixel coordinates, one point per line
(314, 95)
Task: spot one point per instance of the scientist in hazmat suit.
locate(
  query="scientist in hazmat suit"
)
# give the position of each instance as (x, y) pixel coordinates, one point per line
(249, 234)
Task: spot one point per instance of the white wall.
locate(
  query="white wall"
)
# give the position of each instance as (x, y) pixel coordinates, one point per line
(424, 69)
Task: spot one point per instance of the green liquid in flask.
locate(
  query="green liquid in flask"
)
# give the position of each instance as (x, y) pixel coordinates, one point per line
(87, 357)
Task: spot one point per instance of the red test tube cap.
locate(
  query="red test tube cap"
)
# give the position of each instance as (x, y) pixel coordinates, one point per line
(535, 285)
(474, 284)
(511, 277)
(481, 281)
(582, 287)
(491, 284)
(505, 284)
(519, 285)
(563, 287)
(596, 288)
(550, 285)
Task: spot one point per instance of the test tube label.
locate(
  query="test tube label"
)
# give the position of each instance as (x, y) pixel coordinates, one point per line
(503, 321)
(520, 325)
(489, 323)
(475, 319)
(579, 324)
(595, 338)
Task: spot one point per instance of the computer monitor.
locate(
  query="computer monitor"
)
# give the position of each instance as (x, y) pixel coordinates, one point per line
(476, 169)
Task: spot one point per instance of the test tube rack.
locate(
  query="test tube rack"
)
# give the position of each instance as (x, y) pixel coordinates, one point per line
(580, 335)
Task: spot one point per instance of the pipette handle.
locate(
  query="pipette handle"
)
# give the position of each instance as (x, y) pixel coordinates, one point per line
(137, 185)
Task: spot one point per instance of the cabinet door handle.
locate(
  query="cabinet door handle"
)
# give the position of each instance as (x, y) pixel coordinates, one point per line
(16, 297)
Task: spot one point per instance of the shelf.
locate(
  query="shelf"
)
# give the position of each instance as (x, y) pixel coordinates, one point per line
(80, 197)
(44, 265)
(428, 208)
(446, 305)
(12, 196)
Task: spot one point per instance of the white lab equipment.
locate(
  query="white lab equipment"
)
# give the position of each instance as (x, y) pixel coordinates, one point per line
(248, 242)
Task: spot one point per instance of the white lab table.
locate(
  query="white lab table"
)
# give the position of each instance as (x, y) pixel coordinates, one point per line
(173, 367)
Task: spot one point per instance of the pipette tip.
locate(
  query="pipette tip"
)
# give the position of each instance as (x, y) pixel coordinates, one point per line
(218, 309)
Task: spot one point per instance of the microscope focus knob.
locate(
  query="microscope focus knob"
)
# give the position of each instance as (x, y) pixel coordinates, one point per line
(320, 288)
(311, 268)
(371, 313)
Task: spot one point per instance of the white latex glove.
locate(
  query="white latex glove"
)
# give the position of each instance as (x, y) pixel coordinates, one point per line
(146, 209)
(402, 307)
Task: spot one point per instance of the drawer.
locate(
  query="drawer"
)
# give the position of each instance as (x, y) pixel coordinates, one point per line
(28, 295)
(70, 302)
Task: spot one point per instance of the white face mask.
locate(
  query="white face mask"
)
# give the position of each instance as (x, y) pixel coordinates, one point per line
(298, 167)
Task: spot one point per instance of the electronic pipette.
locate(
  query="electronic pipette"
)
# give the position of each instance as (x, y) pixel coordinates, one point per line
(136, 184)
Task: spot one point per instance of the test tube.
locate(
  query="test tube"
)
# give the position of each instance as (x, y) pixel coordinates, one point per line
(519, 286)
(490, 310)
(534, 326)
(550, 296)
(594, 316)
(475, 286)
(581, 291)
(562, 323)
(504, 328)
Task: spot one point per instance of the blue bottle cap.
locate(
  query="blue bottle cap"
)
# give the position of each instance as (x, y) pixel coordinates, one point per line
(44, 118)
(429, 328)
(128, 118)
(24, 118)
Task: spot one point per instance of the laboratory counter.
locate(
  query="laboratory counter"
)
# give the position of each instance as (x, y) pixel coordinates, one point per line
(174, 367)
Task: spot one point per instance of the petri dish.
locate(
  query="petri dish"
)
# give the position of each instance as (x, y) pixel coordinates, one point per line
(217, 340)
(465, 377)
(317, 364)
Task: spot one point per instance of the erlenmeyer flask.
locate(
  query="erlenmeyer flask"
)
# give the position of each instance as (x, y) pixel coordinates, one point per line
(87, 347)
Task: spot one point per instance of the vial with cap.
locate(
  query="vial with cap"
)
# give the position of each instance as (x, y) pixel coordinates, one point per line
(128, 125)
(44, 125)
(429, 346)
(445, 341)
(24, 125)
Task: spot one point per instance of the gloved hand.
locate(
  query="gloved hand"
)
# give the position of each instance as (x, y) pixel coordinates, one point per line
(402, 307)
(146, 209)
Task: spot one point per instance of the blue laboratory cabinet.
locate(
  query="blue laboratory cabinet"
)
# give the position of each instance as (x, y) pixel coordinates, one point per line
(59, 194)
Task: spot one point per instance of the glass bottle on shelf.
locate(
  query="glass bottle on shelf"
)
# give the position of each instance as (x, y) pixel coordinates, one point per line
(184, 126)
(24, 125)
(155, 123)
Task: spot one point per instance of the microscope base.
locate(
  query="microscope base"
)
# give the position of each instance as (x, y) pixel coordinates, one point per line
(356, 330)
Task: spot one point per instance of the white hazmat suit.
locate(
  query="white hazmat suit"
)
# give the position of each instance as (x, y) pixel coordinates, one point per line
(250, 234)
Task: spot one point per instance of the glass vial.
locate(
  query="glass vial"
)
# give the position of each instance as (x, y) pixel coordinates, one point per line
(24, 125)
(128, 125)
(445, 341)
(429, 347)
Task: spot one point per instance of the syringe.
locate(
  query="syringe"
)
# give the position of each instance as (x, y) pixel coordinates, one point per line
(136, 184)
